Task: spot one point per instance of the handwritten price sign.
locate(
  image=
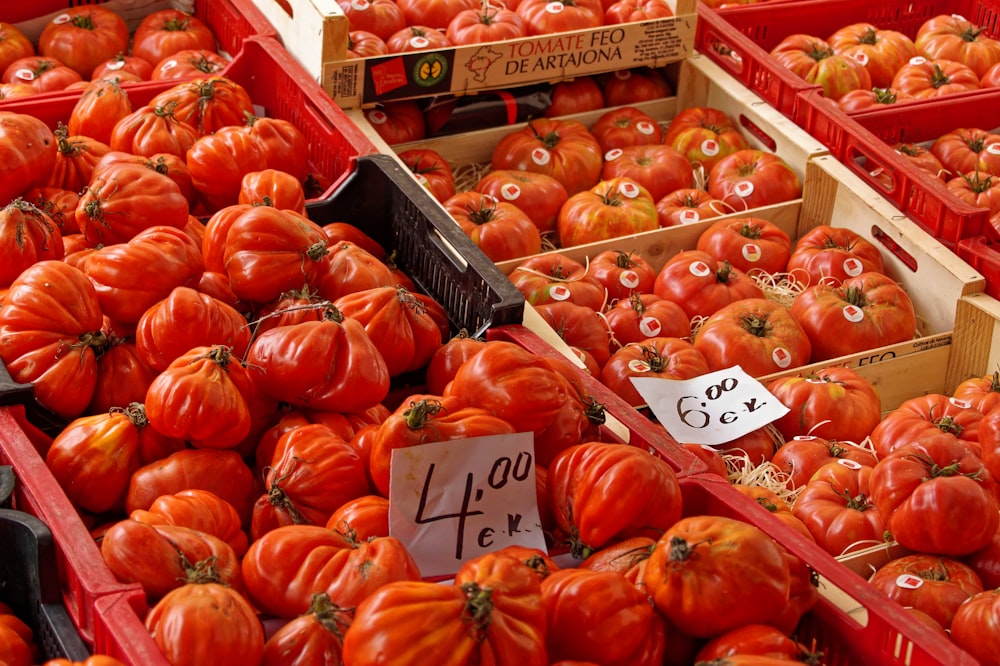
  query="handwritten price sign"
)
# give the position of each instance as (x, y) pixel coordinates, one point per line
(711, 409)
(452, 501)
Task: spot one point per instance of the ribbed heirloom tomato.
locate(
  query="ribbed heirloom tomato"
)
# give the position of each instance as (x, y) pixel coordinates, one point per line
(657, 167)
(168, 31)
(539, 195)
(665, 357)
(545, 17)
(753, 178)
(610, 209)
(701, 285)
(953, 37)
(926, 414)
(801, 456)
(704, 135)
(498, 228)
(832, 253)
(835, 403)
(645, 315)
(836, 507)
(84, 37)
(748, 243)
(379, 17)
(563, 149)
(881, 51)
(27, 151)
(815, 60)
(553, 276)
(931, 583)
(200, 510)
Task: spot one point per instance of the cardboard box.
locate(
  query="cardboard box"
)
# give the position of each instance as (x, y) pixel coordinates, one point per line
(315, 32)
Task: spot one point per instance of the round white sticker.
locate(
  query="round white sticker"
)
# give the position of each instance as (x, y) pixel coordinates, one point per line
(993, 149)
(62, 18)
(804, 438)
(849, 464)
(853, 267)
(628, 190)
(636, 365)
(853, 313)
(961, 404)
(613, 154)
(909, 581)
(781, 357)
(24, 75)
(710, 147)
(510, 192)
(540, 156)
(419, 42)
(555, 7)
(645, 127)
(918, 60)
(744, 188)
(360, 5)
(378, 117)
(700, 269)
(559, 292)
(690, 216)
(751, 252)
(629, 279)
(650, 327)
(115, 65)
(862, 58)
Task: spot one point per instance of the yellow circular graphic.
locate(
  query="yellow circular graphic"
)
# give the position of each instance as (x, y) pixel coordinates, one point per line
(430, 70)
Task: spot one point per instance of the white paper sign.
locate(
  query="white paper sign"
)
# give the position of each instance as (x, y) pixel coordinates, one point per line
(452, 501)
(711, 409)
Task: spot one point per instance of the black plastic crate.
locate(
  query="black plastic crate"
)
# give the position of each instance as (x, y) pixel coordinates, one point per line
(6, 485)
(385, 202)
(29, 584)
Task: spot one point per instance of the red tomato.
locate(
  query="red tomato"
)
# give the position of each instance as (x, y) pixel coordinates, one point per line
(484, 24)
(926, 414)
(208, 104)
(659, 168)
(431, 170)
(84, 37)
(882, 52)
(76, 157)
(835, 403)
(864, 312)
(626, 126)
(965, 150)
(575, 96)
(416, 38)
(379, 17)
(200, 510)
(283, 144)
(553, 276)
(953, 37)
(923, 78)
(815, 60)
(149, 130)
(271, 187)
(563, 149)
(800, 456)
(188, 63)
(545, 17)
(641, 316)
(978, 189)
(539, 195)
(622, 273)
(833, 254)
(626, 557)
(42, 73)
(701, 285)
(500, 229)
(755, 447)
(121, 64)
(857, 101)
(630, 11)
(313, 637)
(753, 178)
(631, 86)
(434, 13)
(931, 583)
(579, 327)
(748, 243)
(836, 507)
(753, 639)
(610, 209)
(363, 44)
(13, 45)
(27, 235)
(398, 122)
(668, 358)
(704, 135)
(687, 206)
(982, 393)
(976, 626)
(757, 334)
(169, 31)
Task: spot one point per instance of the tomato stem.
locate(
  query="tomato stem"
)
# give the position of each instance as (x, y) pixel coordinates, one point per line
(478, 609)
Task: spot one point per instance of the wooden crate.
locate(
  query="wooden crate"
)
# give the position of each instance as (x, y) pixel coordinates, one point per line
(316, 31)
(976, 339)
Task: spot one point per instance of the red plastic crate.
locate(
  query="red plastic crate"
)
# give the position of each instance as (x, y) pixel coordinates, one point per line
(636, 429)
(983, 254)
(231, 21)
(280, 86)
(751, 31)
(84, 578)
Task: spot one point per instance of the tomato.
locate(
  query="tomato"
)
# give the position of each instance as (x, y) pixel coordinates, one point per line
(315, 637)
(658, 168)
(610, 209)
(701, 285)
(150, 130)
(773, 503)
(53, 341)
(815, 60)
(484, 24)
(577, 95)
(563, 149)
(166, 32)
(923, 78)
(931, 583)
(756, 447)
(836, 507)
(835, 403)
(188, 64)
(882, 52)
(626, 126)
(271, 187)
(991, 78)
(710, 574)
(923, 158)
(631, 86)
(28, 152)
(975, 626)
(989, 441)
(953, 37)
(435, 14)
(13, 45)
(538, 195)
(497, 378)
(622, 273)
(398, 122)
(748, 243)
(59, 205)
(431, 170)
(626, 557)
(630, 11)
(200, 510)
(688, 205)
(753, 178)
(753, 639)
(361, 518)
(492, 610)
(448, 358)
(936, 496)
(552, 276)
(164, 557)
(758, 334)
(123, 378)
(982, 393)
(347, 269)
(579, 327)
(873, 99)
(379, 17)
(664, 357)
(42, 73)
(219, 161)
(208, 104)
(199, 622)
(545, 17)
(84, 37)
(27, 235)
(927, 414)
(704, 135)
(584, 607)
(826, 253)
(76, 157)
(965, 150)
(10, 91)
(284, 145)
(978, 189)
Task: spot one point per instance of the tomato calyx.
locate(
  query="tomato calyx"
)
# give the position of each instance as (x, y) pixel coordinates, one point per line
(135, 412)
(756, 325)
(420, 412)
(869, 37)
(653, 358)
(859, 502)
(855, 296)
(332, 617)
(96, 339)
(751, 230)
(478, 609)
(884, 95)
(818, 54)
(680, 550)
(482, 213)
(175, 24)
(280, 500)
(935, 470)
(538, 564)
(594, 411)
(724, 273)
(201, 572)
(971, 34)
(978, 184)
(84, 21)
(624, 260)
(938, 77)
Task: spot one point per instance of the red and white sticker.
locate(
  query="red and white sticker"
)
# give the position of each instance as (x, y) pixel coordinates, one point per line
(751, 252)
(510, 192)
(781, 357)
(853, 266)
(744, 188)
(623, 74)
(918, 60)
(360, 5)
(861, 58)
(993, 149)
(645, 127)
(700, 269)
(650, 327)
(377, 117)
(613, 154)
(422, 179)
(710, 147)
(24, 75)
(540, 156)
(909, 581)
(849, 464)
(853, 313)
(559, 292)
(629, 279)
(419, 42)
(690, 216)
(961, 404)
(62, 18)
(637, 365)
(555, 7)
(115, 65)
(805, 438)
(628, 189)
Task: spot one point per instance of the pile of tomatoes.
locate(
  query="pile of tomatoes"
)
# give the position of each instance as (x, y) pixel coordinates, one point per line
(92, 43)
(863, 66)
(380, 27)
